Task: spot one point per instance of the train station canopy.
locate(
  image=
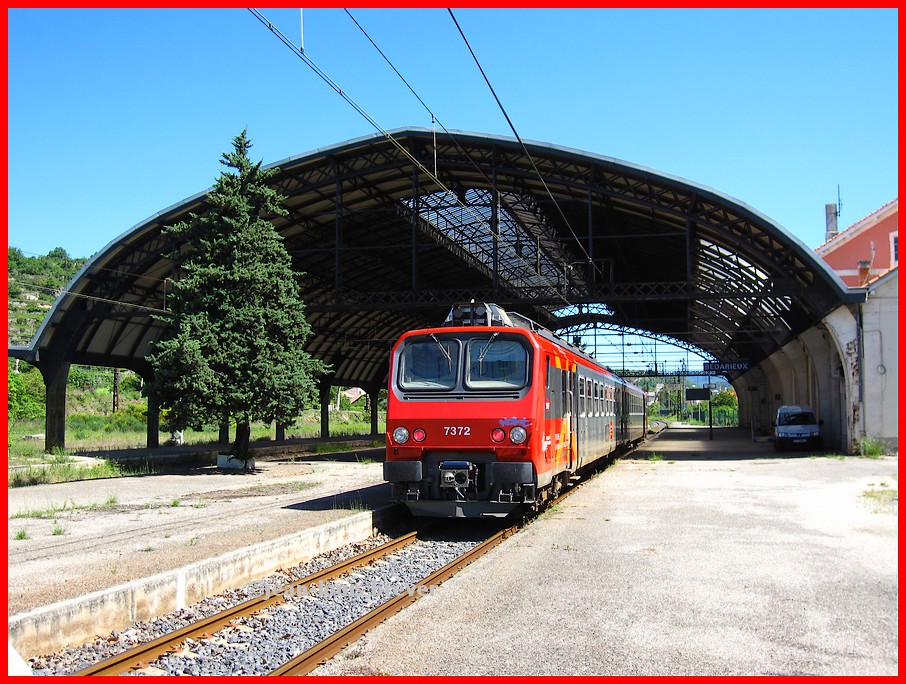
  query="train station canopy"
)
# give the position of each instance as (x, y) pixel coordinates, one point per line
(388, 231)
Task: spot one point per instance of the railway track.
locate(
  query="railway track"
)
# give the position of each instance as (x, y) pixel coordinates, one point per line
(310, 659)
(163, 654)
(139, 656)
(179, 651)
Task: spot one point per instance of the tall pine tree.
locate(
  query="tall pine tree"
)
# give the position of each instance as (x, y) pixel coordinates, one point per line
(234, 348)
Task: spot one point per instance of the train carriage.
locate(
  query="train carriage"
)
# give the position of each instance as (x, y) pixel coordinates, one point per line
(491, 412)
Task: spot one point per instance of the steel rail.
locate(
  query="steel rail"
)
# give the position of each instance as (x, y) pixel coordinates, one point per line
(135, 658)
(323, 651)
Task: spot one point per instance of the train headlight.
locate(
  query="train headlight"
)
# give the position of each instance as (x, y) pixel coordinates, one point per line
(400, 435)
(498, 435)
(518, 435)
(419, 435)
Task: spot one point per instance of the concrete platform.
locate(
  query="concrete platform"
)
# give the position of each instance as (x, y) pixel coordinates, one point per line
(99, 554)
(714, 558)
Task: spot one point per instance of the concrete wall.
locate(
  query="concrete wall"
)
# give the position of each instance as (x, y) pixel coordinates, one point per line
(843, 326)
(808, 370)
(754, 389)
(880, 360)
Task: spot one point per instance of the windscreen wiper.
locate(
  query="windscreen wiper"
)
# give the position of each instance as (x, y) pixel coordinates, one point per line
(443, 350)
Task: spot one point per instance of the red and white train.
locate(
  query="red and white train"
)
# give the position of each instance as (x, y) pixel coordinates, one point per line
(491, 412)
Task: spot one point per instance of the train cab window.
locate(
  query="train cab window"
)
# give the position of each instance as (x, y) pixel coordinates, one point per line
(430, 364)
(495, 363)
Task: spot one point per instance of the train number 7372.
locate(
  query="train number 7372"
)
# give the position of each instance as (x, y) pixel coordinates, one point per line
(457, 430)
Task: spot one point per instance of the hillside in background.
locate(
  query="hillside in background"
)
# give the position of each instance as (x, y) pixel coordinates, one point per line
(35, 282)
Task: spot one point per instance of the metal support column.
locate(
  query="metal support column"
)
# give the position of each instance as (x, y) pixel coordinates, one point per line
(325, 388)
(153, 430)
(338, 237)
(495, 230)
(591, 282)
(416, 214)
(373, 398)
(55, 372)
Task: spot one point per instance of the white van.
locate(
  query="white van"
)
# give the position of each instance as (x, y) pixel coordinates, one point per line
(796, 426)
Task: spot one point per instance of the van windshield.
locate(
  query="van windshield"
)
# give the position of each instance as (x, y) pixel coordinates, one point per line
(803, 418)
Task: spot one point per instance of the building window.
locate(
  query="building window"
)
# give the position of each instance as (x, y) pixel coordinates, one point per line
(894, 250)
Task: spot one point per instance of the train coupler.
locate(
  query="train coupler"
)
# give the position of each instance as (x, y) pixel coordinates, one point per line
(458, 474)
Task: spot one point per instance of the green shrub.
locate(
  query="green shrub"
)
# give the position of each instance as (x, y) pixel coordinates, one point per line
(871, 447)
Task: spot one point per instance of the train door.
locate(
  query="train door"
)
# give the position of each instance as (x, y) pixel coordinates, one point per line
(569, 379)
(582, 421)
(623, 413)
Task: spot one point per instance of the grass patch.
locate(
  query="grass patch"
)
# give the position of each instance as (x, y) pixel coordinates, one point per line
(21, 534)
(71, 472)
(870, 447)
(353, 503)
(87, 432)
(335, 447)
(58, 529)
(882, 500)
(42, 514)
(52, 512)
(655, 457)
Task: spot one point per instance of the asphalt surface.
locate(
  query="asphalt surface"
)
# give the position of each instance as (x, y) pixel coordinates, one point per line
(692, 557)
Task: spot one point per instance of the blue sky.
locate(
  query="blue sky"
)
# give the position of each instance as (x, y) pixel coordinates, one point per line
(115, 115)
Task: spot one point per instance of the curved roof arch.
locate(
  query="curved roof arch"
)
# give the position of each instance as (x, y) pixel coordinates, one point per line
(388, 231)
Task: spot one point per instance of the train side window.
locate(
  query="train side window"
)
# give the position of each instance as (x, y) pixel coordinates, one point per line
(581, 397)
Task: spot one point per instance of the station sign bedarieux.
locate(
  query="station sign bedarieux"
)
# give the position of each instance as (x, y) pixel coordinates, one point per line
(726, 366)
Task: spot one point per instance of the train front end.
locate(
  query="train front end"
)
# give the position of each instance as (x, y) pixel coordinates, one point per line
(461, 415)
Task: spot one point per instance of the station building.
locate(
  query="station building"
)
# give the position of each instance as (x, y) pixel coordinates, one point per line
(865, 255)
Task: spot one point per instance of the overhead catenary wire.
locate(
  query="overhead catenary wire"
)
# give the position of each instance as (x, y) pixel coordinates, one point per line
(421, 167)
(522, 144)
(443, 187)
(436, 121)
(69, 293)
